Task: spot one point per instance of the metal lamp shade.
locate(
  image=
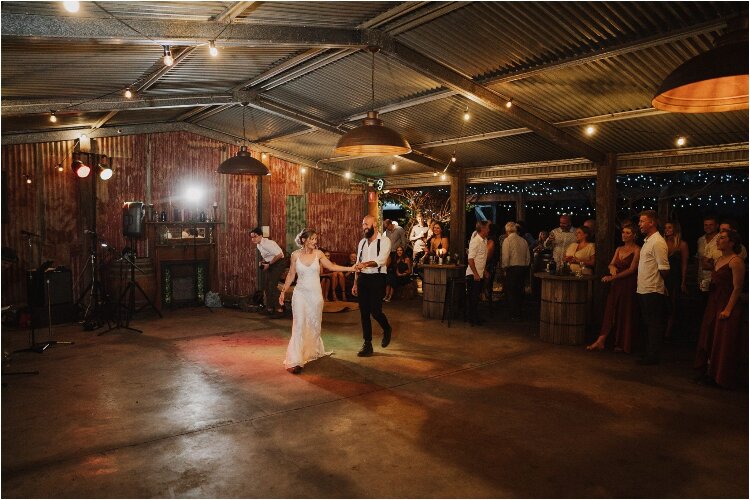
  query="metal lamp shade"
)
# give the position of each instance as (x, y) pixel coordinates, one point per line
(711, 82)
(372, 138)
(242, 163)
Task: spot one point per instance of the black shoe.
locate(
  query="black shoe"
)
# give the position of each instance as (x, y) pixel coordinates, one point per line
(296, 370)
(386, 337)
(648, 360)
(366, 350)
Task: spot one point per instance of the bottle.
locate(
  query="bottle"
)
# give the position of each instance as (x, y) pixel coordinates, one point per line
(551, 267)
(163, 216)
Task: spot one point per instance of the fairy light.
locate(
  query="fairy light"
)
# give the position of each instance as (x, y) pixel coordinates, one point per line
(128, 93)
(590, 130)
(53, 117)
(212, 49)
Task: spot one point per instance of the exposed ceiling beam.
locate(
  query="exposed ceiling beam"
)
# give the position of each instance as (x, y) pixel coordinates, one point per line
(592, 120)
(233, 11)
(180, 32)
(12, 107)
(489, 99)
(431, 12)
(104, 119)
(72, 134)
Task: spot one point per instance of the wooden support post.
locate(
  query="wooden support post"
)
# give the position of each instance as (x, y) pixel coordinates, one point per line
(520, 207)
(662, 206)
(606, 198)
(372, 203)
(458, 214)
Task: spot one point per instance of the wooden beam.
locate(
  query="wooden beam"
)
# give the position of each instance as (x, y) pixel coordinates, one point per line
(458, 229)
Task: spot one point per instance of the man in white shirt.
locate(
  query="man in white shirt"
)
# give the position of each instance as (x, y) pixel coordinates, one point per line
(418, 237)
(476, 272)
(560, 238)
(653, 269)
(272, 263)
(707, 253)
(369, 285)
(515, 262)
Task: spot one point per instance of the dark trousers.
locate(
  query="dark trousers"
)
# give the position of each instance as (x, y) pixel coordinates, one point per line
(273, 273)
(654, 313)
(474, 289)
(515, 279)
(371, 290)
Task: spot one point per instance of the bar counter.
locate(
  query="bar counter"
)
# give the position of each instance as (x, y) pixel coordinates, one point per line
(434, 285)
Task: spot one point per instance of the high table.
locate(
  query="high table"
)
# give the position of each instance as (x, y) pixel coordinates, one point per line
(433, 287)
(566, 308)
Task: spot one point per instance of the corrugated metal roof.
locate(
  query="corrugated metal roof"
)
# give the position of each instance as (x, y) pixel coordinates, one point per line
(378, 167)
(344, 88)
(138, 116)
(331, 14)
(257, 123)
(187, 11)
(314, 146)
(30, 123)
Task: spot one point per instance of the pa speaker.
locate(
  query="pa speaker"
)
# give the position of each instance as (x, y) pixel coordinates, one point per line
(133, 215)
(50, 291)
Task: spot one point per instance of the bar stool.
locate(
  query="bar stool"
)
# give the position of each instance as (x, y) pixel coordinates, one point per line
(454, 283)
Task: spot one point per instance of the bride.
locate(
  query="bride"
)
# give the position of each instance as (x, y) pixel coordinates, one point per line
(307, 301)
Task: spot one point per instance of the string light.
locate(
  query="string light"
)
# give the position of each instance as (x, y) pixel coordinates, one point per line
(263, 156)
(590, 130)
(347, 175)
(53, 117)
(443, 177)
(453, 158)
(681, 141)
(467, 116)
(28, 178)
(128, 93)
(212, 49)
(302, 170)
(393, 166)
(509, 103)
(59, 167)
(72, 6)
(168, 59)
(434, 174)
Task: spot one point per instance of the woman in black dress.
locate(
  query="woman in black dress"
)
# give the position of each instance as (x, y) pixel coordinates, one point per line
(399, 273)
(677, 250)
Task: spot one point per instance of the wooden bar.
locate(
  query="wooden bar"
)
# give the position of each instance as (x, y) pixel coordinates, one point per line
(565, 308)
(434, 285)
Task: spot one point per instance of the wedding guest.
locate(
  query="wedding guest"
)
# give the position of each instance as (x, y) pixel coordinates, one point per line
(731, 225)
(438, 243)
(418, 237)
(515, 262)
(560, 238)
(395, 233)
(653, 268)
(399, 274)
(621, 310)
(332, 281)
(719, 346)
(582, 253)
(493, 257)
(707, 254)
(476, 272)
(677, 249)
(272, 265)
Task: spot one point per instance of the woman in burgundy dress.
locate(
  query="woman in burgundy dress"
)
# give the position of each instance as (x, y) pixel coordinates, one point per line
(719, 345)
(621, 311)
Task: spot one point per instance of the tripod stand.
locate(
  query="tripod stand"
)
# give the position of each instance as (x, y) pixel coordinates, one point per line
(126, 304)
(40, 347)
(95, 289)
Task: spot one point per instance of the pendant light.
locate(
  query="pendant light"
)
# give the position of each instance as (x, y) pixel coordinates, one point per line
(243, 162)
(372, 138)
(714, 81)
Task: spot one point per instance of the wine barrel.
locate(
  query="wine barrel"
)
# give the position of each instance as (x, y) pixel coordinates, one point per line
(119, 276)
(433, 288)
(565, 309)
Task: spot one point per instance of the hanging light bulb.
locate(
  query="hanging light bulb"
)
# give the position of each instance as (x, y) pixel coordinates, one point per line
(509, 103)
(393, 166)
(434, 174)
(453, 158)
(128, 93)
(348, 175)
(52, 117)
(590, 130)
(71, 6)
(212, 49)
(263, 156)
(168, 59)
(243, 162)
(59, 167)
(28, 179)
(302, 170)
(443, 177)
(681, 141)
(467, 116)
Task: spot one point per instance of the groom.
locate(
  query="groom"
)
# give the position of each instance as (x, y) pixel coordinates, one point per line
(369, 286)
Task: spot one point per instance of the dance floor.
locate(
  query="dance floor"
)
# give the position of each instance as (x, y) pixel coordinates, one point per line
(199, 405)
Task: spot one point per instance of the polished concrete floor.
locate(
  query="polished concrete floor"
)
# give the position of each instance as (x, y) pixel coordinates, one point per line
(199, 405)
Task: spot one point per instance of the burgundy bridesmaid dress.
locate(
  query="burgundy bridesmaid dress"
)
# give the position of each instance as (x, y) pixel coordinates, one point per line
(621, 311)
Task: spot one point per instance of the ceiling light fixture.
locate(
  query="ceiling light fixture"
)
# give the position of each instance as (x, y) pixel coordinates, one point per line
(467, 116)
(168, 59)
(212, 49)
(372, 138)
(681, 141)
(105, 171)
(81, 169)
(72, 6)
(590, 130)
(128, 93)
(243, 162)
(714, 81)
(53, 117)
(509, 103)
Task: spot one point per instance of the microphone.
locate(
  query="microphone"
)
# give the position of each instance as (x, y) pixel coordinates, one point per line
(26, 233)
(89, 231)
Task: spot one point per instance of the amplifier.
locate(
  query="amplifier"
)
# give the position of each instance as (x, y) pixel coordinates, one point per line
(60, 295)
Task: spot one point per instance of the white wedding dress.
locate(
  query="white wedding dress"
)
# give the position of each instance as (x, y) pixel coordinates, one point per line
(307, 309)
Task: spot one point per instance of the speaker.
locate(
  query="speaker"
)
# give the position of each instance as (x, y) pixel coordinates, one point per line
(60, 296)
(133, 218)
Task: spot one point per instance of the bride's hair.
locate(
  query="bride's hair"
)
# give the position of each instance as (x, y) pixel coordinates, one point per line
(303, 236)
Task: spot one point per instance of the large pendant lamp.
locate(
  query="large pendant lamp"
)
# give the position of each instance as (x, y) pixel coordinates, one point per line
(243, 163)
(714, 81)
(372, 138)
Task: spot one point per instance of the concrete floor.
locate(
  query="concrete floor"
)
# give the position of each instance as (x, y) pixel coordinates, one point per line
(199, 405)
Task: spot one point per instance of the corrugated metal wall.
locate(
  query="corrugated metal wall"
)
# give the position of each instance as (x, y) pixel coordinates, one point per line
(50, 206)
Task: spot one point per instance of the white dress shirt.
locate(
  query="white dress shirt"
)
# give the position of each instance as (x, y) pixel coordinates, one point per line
(515, 251)
(562, 241)
(417, 232)
(654, 258)
(367, 251)
(708, 250)
(269, 249)
(478, 252)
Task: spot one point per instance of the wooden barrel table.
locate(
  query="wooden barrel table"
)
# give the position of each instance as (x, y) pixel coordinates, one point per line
(433, 287)
(119, 276)
(565, 308)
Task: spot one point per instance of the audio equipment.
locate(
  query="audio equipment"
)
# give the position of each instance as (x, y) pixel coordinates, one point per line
(133, 219)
